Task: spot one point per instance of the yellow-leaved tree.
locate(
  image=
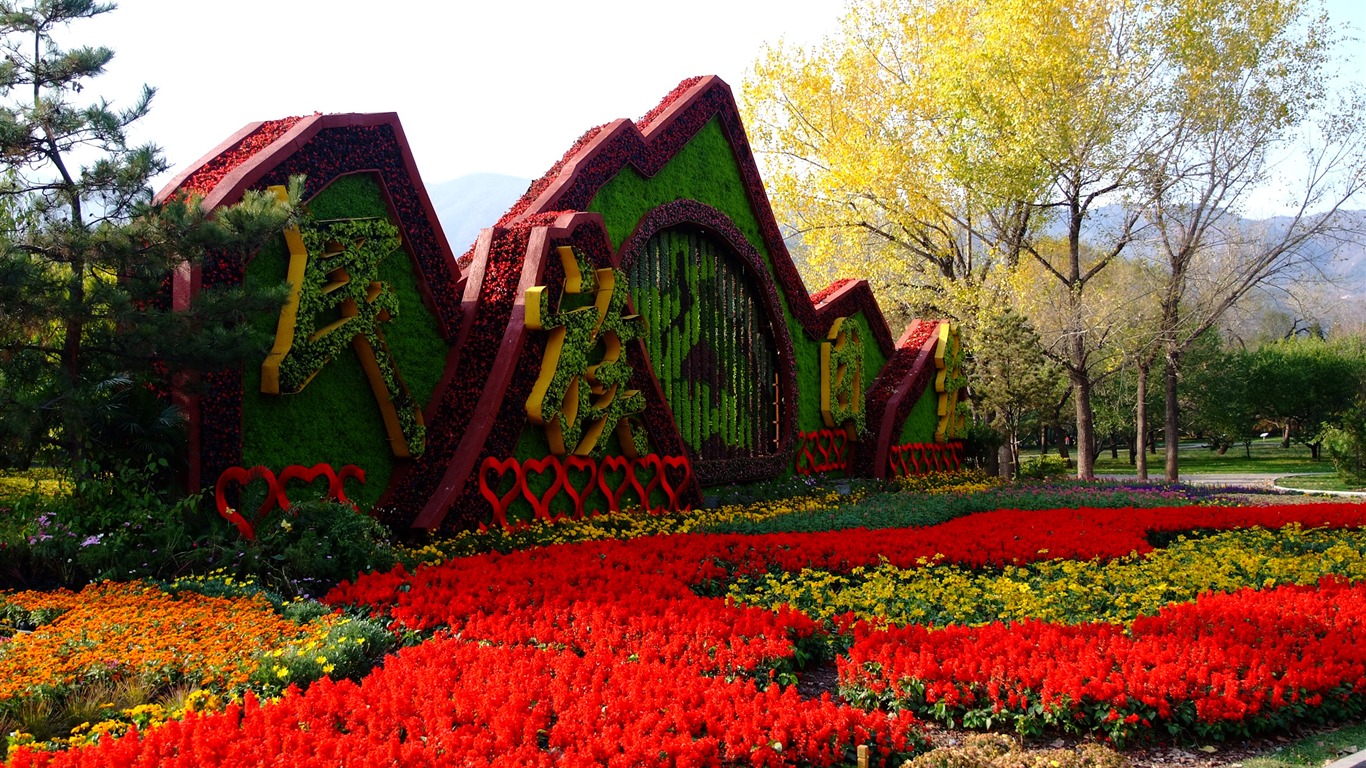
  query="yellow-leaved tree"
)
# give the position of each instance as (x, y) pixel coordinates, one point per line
(942, 144)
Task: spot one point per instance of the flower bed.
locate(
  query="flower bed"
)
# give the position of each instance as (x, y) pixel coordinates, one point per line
(112, 631)
(1066, 591)
(83, 667)
(1226, 664)
(621, 650)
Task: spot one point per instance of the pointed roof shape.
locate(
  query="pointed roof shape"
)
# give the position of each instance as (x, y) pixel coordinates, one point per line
(321, 148)
(646, 146)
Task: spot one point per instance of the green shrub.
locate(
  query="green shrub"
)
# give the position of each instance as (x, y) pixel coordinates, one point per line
(1346, 445)
(1043, 467)
(117, 522)
(350, 650)
(312, 547)
(980, 444)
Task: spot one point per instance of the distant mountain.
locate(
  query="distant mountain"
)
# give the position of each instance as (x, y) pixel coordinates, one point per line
(471, 203)
(1342, 255)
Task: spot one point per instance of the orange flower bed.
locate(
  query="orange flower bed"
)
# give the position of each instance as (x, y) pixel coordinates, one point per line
(113, 631)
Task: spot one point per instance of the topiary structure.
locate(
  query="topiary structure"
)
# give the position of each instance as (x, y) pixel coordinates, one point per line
(631, 329)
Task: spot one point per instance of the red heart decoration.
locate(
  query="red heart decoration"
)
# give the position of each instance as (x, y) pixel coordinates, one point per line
(933, 452)
(805, 452)
(242, 477)
(914, 451)
(347, 472)
(541, 505)
(308, 475)
(674, 489)
(643, 489)
(839, 442)
(579, 464)
(500, 503)
(647, 490)
(614, 464)
(823, 440)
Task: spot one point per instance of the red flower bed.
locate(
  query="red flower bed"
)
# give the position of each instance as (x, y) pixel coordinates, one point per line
(647, 574)
(605, 653)
(454, 702)
(1227, 662)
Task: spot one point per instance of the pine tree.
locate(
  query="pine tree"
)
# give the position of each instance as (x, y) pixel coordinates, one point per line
(88, 341)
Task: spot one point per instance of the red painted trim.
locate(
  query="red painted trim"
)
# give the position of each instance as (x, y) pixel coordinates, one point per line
(249, 172)
(888, 424)
(485, 412)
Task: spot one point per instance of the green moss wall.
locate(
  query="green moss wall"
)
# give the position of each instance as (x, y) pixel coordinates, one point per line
(335, 420)
(705, 170)
(922, 420)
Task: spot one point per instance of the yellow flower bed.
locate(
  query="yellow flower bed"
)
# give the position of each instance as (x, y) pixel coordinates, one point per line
(1068, 591)
(623, 525)
(962, 481)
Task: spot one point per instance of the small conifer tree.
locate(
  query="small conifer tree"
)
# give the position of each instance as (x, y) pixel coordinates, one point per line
(88, 339)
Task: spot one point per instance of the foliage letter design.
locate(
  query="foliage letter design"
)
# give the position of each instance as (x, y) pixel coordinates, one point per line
(581, 392)
(842, 378)
(948, 360)
(336, 298)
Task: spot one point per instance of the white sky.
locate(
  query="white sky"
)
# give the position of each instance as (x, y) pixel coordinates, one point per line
(502, 87)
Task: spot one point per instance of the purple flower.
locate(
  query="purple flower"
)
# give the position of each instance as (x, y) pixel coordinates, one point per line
(91, 541)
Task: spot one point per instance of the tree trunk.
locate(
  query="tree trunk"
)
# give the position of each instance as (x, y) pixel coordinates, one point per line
(1061, 438)
(1135, 449)
(1086, 456)
(1141, 422)
(1173, 425)
(1114, 448)
(1285, 436)
(1086, 430)
(1003, 462)
(73, 433)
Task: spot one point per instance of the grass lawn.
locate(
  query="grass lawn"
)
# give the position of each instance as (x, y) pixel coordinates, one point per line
(1315, 750)
(1317, 483)
(1261, 456)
